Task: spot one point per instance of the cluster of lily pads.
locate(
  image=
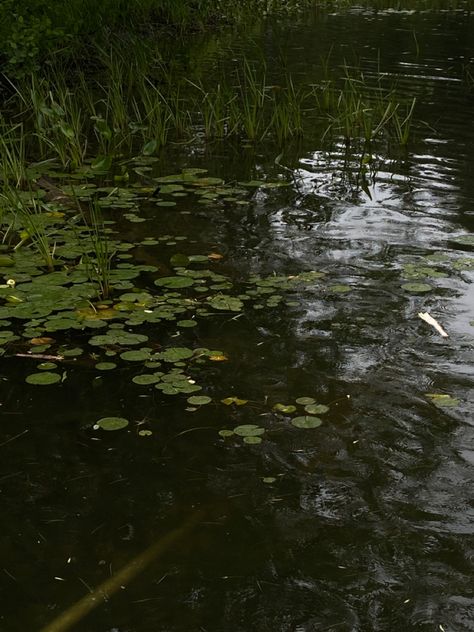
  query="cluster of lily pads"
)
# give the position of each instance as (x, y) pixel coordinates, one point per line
(252, 434)
(420, 270)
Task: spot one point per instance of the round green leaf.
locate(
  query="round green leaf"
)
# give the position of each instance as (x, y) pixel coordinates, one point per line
(306, 421)
(226, 433)
(105, 366)
(316, 409)
(417, 288)
(304, 401)
(248, 430)
(112, 423)
(282, 408)
(174, 282)
(45, 378)
(199, 400)
(146, 378)
(252, 440)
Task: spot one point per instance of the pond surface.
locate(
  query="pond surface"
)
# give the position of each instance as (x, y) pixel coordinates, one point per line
(363, 523)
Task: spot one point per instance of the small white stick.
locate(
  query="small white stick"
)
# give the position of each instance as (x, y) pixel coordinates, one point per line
(433, 322)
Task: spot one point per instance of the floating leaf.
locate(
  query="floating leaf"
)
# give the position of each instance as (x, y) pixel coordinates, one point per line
(47, 366)
(140, 355)
(339, 289)
(269, 479)
(199, 400)
(443, 400)
(249, 430)
(234, 400)
(112, 423)
(306, 421)
(186, 323)
(175, 282)
(105, 366)
(146, 378)
(283, 408)
(145, 433)
(417, 288)
(316, 409)
(252, 440)
(226, 433)
(225, 302)
(304, 401)
(45, 378)
(175, 354)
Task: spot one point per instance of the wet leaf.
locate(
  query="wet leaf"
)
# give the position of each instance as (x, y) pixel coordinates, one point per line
(283, 408)
(268, 480)
(234, 400)
(304, 401)
(199, 400)
(112, 423)
(146, 379)
(249, 430)
(45, 378)
(316, 409)
(443, 400)
(105, 366)
(252, 440)
(306, 421)
(226, 433)
(417, 288)
(175, 282)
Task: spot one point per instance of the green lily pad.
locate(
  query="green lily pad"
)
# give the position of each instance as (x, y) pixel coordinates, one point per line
(175, 282)
(443, 400)
(417, 288)
(175, 354)
(225, 302)
(45, 378)
(226, 433)
(234, 400)
(105, 366)
(306, 421)
(316, 409)
(339, 289)
(268, 479)
(199, 400)
(112, 423)
(188, 324)
(304, 401)
(146, 379)
(252, 440)
(140, 355)
(47, 366)
(249, 430)
(283, 408)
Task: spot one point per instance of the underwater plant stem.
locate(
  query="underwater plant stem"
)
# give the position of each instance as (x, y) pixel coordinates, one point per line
(123, 577)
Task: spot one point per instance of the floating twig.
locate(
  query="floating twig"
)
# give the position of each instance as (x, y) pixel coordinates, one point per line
(433, 322)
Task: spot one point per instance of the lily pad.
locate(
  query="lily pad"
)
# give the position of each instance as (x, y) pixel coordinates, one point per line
(105, 366)
(234, 400)
(306, 421)
(304, 401)
(249, 430)
(112, 423)
(226, 433)
(45, 378)
(282, 408)
(316, 409)
(443, 400)
(252, 440)
(417, 288)
(199, 400)
(175, 282)
(146, 379)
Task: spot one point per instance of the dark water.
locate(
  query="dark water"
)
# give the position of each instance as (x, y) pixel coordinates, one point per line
(369, 524)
